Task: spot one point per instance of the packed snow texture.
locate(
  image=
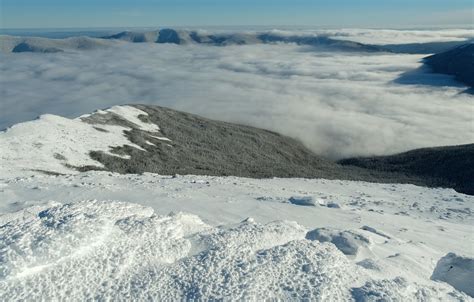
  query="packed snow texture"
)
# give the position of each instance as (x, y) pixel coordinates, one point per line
(457, 271)
(347, 242)
(57, 144)
(115, 250)
(337, 104)
(86, 245)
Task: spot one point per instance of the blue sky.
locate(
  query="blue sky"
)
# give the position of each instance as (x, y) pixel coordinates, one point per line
(148, 13)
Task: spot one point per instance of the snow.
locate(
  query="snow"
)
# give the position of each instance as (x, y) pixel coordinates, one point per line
(399, 289)
(161, 138)
(347, 242)
(457, 271)
(302, 200)
(57, 144)
(131, 114)
(100, 235)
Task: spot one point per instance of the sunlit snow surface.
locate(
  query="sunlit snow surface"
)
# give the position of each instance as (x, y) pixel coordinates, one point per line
(56, 144)
(100, 235)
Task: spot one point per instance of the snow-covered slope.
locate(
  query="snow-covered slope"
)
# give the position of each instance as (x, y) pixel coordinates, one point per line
(189, 237)
(56, 144)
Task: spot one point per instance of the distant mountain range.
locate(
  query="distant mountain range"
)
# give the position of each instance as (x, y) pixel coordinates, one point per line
(221, 39)
(46, 45)
(142, 138)
(183, 37)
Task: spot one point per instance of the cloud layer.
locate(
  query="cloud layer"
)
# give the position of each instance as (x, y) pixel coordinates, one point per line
(392, 36)
(338, 104)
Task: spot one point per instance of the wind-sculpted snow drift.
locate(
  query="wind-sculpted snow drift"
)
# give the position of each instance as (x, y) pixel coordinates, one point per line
(457, 271)
(114, 250)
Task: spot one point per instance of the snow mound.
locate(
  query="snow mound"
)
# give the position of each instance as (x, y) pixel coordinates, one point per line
(59, 145)
(347, 242)
(369, 264)
(457, 271)
(399, 289)
(302, 201)
(111, 250)
(89, 249)
(312, 202)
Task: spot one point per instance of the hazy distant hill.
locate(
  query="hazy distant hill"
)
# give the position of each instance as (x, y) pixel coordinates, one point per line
(168, 35)
(47, 45)
(423, 48)
(458, 62)
(451, 166)
(217, 38)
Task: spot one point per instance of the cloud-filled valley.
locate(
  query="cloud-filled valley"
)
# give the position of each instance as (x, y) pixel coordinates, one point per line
(339, 104)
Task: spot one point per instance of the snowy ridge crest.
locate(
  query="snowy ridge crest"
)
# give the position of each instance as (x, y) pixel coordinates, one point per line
(56, 144)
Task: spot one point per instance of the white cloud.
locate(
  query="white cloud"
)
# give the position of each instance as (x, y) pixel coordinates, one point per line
(338, 104)
(389, 36)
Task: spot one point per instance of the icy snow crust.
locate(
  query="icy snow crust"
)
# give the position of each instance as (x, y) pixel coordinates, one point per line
(59, 144)
(457, 271)
(115, 250)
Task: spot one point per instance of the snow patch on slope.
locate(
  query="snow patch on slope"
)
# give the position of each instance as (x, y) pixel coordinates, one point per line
(131, 114)
(59, 145)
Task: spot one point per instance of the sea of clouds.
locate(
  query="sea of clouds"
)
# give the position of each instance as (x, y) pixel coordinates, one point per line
(338, 104)
(394, 36)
